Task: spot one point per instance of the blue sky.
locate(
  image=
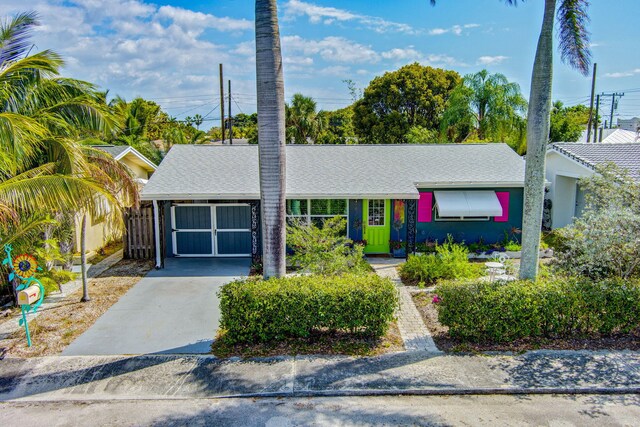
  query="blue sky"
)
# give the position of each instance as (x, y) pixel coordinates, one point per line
(169, 51)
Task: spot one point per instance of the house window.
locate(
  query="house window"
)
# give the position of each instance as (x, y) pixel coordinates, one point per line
(376, 212)
(457, 218)
(315, 211)
(466, 205)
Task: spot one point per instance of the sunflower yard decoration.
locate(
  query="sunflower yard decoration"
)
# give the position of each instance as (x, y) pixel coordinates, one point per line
(25, 266)
(30, 290)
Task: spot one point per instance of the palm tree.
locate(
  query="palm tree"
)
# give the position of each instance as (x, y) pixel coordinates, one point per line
(271, 137)
(303, 123)
(485, 104)
(44, 170)
(40, 114)
(197, 120)
(572, 18)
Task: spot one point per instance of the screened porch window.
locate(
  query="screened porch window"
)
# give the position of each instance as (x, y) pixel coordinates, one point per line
(315, 210)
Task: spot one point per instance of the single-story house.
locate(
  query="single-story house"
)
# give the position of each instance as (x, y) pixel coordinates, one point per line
(99, 234)
(208, 197)
(568, 162)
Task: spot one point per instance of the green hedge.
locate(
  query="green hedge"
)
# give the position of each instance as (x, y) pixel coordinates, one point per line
(560, 307)
(259, 310)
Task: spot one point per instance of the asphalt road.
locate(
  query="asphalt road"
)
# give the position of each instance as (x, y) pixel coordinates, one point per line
(525, 410)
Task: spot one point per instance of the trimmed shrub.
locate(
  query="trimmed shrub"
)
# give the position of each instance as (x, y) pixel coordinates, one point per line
(549, 308)
(264, 310)
(450, 261)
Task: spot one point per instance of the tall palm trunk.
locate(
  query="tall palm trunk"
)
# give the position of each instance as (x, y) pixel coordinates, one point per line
(83, 259)
(538, 119)
(271, 137)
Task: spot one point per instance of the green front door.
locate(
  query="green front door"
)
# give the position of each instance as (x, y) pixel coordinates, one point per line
(376, 217)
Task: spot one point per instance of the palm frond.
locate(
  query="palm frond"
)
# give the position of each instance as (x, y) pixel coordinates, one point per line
(572, 20)
(15, 34)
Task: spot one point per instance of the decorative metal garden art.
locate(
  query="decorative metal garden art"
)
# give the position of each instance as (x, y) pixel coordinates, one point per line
(30, 290)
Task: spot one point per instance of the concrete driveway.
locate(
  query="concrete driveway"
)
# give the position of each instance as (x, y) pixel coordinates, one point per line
(172, 310)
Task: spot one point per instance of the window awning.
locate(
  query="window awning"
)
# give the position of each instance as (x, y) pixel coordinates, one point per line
(467, 203)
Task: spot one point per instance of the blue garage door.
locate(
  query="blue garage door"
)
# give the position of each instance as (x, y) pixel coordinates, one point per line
(211, 230)
(233, 230)
(192, 230)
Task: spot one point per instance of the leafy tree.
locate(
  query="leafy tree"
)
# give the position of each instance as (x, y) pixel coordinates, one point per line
(303, 123)
(420, 135)
(338, 127)
(567, 123)
(414, 95)
(486, 107)
(271, 135)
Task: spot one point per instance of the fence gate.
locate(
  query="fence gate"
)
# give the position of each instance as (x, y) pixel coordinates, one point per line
(139, 240)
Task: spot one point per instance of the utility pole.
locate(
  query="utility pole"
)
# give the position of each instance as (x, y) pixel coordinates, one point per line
(595, 120)
(613, 104)
(593, 89)
(230, 117)
(222, 103)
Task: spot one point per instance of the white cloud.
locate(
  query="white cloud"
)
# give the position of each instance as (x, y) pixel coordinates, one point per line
(332, 49)
(621, 74)
(441, 60)
(455, 29)
(335, 71)
(134, 48)
(330, 15)
(491, 60)
(402, 54)
(197, 21)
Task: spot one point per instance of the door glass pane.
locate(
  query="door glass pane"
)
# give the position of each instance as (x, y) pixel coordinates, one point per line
(376, 212)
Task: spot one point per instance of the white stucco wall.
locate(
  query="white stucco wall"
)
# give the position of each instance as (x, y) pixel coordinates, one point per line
(563, 174)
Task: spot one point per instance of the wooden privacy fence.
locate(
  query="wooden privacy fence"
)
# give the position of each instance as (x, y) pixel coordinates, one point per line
(139, 241)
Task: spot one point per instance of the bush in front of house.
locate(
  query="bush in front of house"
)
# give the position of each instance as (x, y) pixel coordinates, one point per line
(549, 308)
(604, 241)
(265, 310)
(451, 261)
(325, 250)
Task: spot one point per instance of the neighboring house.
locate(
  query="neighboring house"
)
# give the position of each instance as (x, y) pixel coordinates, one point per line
(208, 197)
(613, 136)
(568, 162)
(98, 234)
(629, 124)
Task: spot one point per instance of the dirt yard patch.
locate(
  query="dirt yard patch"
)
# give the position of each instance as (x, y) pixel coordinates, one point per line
(318, 343)
(444, 342)
(57, 327)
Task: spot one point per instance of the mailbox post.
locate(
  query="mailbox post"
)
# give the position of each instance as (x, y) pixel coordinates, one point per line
(30, 290)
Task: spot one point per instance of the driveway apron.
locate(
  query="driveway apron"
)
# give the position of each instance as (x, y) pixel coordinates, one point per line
(172, 310)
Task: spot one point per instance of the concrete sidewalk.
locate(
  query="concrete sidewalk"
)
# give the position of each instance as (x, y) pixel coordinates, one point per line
(189, 377)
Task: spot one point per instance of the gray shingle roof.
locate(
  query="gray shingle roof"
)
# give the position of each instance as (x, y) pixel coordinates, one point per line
(114, 150)
(356, 171)
(625, 156)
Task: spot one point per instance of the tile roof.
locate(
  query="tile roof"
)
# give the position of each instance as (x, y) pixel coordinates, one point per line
(625, 156)
(349, 171)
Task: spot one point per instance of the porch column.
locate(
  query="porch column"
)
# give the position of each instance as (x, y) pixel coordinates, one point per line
(255, 231)
(412, 217)
(156, 234)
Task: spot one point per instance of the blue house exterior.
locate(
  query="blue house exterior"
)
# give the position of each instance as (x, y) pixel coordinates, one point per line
(207, 197)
